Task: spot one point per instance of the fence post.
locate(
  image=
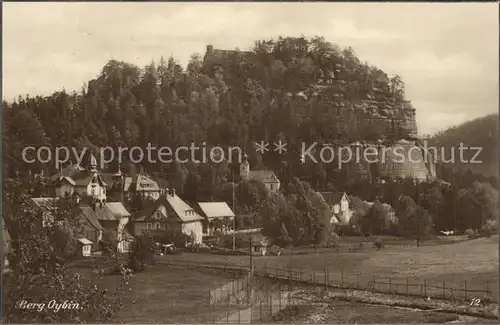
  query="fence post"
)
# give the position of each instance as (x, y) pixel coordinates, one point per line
(465, 287)
(314, 277)
(342, 278)
(488, 289)
(444, 289)
(326, 278)
(227, 318)
(425, 286)
(260, 312)
(279, 292)
(407, 287)
(357, 280)
(239, 316)
(271, 305)
(374, 282)
(390, 285)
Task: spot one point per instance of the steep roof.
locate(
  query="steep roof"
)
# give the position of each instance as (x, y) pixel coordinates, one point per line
(69, 170)
(63, 179)
(85, 241)
(44, 202)
(140, 183)
(332, 197)
(91, 216)
(83, 178)
(174, 205)
(182, 209)
(216, 209)
(101, 212)
(265, 176)
(117, 209)
(149, 213)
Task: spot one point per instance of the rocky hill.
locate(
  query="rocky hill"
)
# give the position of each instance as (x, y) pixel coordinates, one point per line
(293, 89)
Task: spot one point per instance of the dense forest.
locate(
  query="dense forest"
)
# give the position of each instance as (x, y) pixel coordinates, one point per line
(244, 99)
(481, 132)
(235, 99)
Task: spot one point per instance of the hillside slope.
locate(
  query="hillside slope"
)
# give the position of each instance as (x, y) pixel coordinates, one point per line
(481, 132)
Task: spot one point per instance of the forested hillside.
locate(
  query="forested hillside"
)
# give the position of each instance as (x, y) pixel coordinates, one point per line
(291, 89)
(481, 132)
(244, 97)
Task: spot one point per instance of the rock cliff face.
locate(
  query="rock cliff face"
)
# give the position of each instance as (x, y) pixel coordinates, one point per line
(386, 122)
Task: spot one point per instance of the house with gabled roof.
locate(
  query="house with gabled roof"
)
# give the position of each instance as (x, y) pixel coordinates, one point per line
(169, 212)
(339, 204)
(100, 220)
(75, 178)
(143, 185)
(218, 216)
(267, 177)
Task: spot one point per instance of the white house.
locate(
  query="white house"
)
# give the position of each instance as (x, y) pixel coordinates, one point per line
(144, 185)
(169, 212)
(75, 179)
(216, 213)
(267, 177)
(340, 206)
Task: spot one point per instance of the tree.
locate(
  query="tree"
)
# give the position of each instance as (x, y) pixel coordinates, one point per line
(38, 274)
(141, 253)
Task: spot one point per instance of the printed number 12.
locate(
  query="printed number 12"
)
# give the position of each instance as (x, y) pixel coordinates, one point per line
(475, 302)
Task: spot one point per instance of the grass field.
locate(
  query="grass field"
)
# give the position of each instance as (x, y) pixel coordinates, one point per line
(166, 294)
(474, 261)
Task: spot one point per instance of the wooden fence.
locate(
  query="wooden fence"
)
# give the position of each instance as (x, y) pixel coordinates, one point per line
(229, 290)
(422, 287)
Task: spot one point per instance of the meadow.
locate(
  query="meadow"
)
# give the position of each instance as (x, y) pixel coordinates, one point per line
(471, 264)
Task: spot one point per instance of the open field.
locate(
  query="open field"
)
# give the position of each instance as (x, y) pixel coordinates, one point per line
(165, 294)
(469, 264)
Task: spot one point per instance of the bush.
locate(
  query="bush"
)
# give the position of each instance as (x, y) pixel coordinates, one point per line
(142, 253)
(333, 240)
(470, 233)
(489, 228)
(275, 250)
(378, 244)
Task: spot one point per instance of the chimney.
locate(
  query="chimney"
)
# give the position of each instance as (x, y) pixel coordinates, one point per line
(210, 49)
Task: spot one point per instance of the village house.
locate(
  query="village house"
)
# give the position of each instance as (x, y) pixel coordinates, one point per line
(76, 179)
(113, 217)
(219, 217)
(340, 206)
(104, 221)
(267, 177)
(91, 229)
(169, 213)
(144, 185)
(260, 244)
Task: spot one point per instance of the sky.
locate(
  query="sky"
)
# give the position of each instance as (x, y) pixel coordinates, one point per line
(447, 54)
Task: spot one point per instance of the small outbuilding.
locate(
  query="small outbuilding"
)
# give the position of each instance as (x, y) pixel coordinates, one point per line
(85, 247)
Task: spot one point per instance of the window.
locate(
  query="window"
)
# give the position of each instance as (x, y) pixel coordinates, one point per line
(157, 225)
(271, 186)
(149, 225)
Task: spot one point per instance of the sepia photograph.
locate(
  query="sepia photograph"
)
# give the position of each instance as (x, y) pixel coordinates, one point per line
(250, 163)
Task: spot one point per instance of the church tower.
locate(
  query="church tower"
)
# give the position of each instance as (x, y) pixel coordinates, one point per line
(244, 168)
(92, 164)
